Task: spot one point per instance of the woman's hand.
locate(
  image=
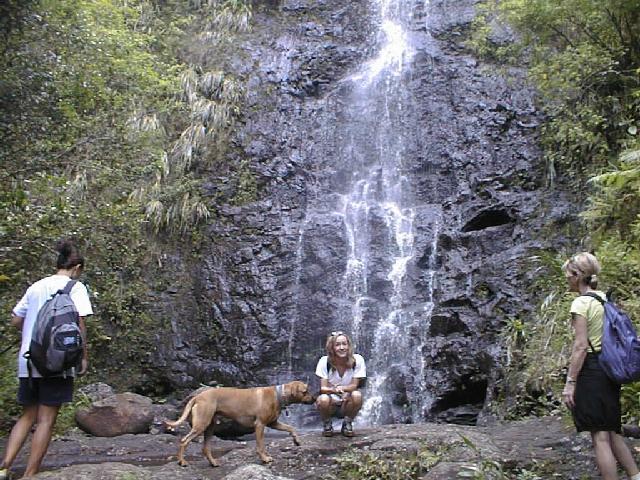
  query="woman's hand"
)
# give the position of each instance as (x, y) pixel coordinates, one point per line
(339, 390)
(84, 366)
(569, 395)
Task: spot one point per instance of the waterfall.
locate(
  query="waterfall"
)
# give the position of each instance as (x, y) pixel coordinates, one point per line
(360, 261)
(378, 216)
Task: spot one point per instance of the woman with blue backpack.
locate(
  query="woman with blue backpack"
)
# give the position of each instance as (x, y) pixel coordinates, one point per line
(42, 390)
(593, 397)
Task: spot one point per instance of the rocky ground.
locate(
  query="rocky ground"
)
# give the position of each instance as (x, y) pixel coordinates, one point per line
(547, 447)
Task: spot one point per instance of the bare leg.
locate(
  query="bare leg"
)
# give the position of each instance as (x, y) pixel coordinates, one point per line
(19, 434)
(623, 454)
(286, 428)
(260, 443)
(604, 455)
(352, 404)
(325, 406)
(47, 416)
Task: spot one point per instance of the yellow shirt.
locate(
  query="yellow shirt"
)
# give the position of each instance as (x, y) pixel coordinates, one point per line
(593, 311)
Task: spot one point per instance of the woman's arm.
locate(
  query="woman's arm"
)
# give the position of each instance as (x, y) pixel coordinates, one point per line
(84, 363)
(355, 383)
(17, 321)
(578, 354)
(326, 387)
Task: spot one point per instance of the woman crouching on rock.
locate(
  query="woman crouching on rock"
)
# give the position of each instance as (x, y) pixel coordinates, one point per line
(594, 399)
(340, 372)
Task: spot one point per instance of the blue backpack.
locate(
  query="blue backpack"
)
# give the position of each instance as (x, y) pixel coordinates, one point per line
(620, 353)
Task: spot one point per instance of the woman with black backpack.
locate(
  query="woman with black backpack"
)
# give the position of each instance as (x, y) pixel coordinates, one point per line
(42, 396)
(592, 397)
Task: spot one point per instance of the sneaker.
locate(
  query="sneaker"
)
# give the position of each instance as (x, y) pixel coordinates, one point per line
(347, 429)
(4, 474)
(327, 430)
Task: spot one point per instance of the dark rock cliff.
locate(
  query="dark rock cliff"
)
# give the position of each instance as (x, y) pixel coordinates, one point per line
(255, 304)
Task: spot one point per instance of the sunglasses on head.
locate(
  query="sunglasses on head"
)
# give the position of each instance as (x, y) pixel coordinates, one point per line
(337, 334)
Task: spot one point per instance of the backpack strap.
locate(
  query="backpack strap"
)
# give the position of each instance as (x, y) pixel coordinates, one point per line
(602, 302)
(69, 286)
(27, 355)
(594, 295)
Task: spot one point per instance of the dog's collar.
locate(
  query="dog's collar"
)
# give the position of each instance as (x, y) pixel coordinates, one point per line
(282, 400)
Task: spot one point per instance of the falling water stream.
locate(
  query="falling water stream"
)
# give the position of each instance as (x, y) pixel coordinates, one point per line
(378, 218)
(373, 133)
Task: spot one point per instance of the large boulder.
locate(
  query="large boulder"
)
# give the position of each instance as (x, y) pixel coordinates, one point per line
(116, 415)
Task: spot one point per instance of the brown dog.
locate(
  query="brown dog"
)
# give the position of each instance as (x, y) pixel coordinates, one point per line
(254, 408)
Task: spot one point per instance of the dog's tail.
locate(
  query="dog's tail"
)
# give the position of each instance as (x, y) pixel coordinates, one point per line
(185, 414)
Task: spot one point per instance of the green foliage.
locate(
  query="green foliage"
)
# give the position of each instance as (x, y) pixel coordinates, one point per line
(99, 141)
(67, 415)
(8, 388)
(489, 469)
(584, 58)
(537, 350)
(614, 206)
(355, 465)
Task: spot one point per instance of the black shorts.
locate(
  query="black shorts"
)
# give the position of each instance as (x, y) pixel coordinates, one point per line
(597, 399)
(53, 391)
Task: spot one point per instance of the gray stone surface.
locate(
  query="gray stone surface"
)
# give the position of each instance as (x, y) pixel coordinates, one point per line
(253, 472)
(546, 443)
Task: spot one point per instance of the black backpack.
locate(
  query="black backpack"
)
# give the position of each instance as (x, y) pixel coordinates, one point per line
(56, 342)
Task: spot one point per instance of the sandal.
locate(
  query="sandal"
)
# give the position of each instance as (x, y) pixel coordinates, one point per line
(347, 429)
(327, 429)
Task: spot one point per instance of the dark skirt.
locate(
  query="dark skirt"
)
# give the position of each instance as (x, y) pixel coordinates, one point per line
(597, 399)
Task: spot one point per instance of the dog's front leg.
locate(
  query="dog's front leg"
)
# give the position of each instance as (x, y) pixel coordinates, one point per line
(286, 428)
(260, 443)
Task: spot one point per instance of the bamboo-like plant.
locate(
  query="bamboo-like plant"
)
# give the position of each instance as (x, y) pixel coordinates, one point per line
(189, 85)
(211, 85)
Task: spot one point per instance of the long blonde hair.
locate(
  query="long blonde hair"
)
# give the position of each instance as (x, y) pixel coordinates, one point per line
(331, 353)
(585, 266)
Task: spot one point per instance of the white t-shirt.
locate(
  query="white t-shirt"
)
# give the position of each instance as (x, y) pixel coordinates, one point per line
(29, 306)
(359, 370)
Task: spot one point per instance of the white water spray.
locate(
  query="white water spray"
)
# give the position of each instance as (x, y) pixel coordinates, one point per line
(378, 219)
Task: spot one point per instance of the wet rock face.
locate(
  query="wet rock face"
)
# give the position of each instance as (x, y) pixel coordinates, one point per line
(267, 287)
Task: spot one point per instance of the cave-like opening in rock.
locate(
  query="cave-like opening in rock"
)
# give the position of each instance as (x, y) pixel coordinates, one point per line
(462, 405)
(486, 219)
